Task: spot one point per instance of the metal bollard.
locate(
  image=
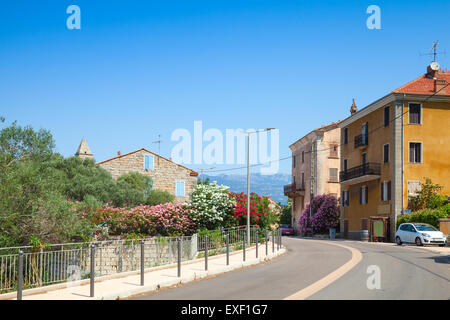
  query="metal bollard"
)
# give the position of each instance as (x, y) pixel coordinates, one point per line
(206, 253)
(92, 269)
(267, 242)
(20, 276)
(243, 246)
(179, 257)
(279, 239)
(273, 242)
(228, 248)
(142, 262)
(256, 245)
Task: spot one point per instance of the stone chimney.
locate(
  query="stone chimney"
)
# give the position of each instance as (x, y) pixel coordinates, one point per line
(83, 150)
(431, 73)
(353, 108)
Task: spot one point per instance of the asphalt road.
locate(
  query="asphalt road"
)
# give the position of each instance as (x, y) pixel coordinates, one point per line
(406, 272)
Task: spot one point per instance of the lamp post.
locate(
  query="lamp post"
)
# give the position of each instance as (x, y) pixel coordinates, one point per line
(248, 176)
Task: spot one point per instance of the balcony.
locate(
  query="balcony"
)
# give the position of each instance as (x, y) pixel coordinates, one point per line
(292, 190)
(361, 141)
(359, 174)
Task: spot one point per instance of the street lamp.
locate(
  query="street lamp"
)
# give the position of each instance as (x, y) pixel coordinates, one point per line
(248, 176)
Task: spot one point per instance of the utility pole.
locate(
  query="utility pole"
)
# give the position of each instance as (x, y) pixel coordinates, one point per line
(248, 177)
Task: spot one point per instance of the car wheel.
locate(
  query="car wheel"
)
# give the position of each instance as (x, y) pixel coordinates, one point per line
(398, 241)
(418, 242)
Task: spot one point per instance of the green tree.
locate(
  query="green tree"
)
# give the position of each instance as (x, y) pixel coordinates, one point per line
(156, 197)
(286, 214)
(428, 197)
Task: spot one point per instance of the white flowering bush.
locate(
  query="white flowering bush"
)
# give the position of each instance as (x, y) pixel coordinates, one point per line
(211, 205)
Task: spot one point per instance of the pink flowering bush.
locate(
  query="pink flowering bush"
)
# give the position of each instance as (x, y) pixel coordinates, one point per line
(325, 215)
(163, 219)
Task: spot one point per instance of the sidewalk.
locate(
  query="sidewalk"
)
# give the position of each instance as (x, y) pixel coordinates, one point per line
(128, 284)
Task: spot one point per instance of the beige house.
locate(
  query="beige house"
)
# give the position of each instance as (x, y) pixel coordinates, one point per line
(165, 174)
(315, 168)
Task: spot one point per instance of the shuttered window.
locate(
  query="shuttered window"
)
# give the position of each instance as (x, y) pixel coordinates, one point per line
(179, 189)
(386, 191)
(345, 135)
(148, 162)
(363, 194)
(334, 175)
(415, 152)
(415, 113)
(386, 116)
(386, 153)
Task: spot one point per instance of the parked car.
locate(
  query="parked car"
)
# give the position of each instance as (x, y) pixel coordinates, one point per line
(286, 230)
(420, 234)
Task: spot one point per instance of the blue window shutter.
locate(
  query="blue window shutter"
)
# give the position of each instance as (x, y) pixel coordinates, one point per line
(148, 162)
(179, 189)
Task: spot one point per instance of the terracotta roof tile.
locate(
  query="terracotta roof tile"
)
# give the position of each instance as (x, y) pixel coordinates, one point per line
(425, 85)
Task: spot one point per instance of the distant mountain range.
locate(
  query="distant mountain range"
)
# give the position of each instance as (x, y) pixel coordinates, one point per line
(263, 185)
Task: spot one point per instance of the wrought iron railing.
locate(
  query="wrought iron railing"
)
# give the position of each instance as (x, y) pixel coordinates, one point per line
(359, 171)
(361, 140)
(293, 187)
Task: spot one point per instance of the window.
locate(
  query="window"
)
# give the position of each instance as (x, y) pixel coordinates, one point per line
(363, 194)
(334, 175)
(148, 162)
(345, 199)
(415, 113)
(345, 135)
(386, 153)
(179, 192)
(413, 188)
(415, 152)
(365, 133)
(345, 164)
(385, 191)
(334, 151)
(293, 161)
(303, 180)
(303, 156)
(386, 116)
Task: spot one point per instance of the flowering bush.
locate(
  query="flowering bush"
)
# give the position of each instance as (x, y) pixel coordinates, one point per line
(325, 214)
(260, 213)
(210, 205)
(164, 219)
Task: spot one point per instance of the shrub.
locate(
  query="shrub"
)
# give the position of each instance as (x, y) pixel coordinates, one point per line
(211, 205)
(428, 197)
(156, 197)
(164, 219)
(260, 213)
(430, 216)
(325, 214)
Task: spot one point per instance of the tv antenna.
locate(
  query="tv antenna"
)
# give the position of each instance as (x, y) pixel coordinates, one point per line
(433, 51)
(159, 146)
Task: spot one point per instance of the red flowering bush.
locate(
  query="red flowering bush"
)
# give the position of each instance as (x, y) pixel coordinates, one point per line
(260, 213)
(325, 215)
(164, 219)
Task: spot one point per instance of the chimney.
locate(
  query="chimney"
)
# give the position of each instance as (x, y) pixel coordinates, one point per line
(353, 108)
(118, 153)
(439, 84)
(431, 73)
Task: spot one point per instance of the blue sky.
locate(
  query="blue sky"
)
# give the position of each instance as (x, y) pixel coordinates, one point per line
(137, 69)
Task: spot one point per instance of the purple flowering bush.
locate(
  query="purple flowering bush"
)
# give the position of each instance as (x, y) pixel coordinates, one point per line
(325, 215)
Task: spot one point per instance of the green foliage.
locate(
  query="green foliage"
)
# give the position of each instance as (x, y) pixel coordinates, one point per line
(156, 197)
(428, 197)
(286, 214)
(430, 216)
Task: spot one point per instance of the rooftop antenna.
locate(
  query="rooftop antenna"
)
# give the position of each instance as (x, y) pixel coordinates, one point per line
(433, 51)
(159, 146)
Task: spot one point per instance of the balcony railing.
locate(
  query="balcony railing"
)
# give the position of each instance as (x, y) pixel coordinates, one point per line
(361, 140)
(293, 187)
(360, 171)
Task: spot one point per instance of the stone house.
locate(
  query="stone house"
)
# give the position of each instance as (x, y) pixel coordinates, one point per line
(165, 174)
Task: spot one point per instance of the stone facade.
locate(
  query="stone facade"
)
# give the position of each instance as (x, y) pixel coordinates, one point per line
(165, 173)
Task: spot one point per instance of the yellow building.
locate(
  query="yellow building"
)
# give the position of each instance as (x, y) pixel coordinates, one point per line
(389, 147)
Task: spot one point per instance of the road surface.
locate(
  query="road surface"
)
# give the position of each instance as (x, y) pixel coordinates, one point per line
(405, 272)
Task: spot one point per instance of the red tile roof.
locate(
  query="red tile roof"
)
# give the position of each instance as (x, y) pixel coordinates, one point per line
(426, 85)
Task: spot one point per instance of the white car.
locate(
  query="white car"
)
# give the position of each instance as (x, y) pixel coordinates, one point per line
(420, 234)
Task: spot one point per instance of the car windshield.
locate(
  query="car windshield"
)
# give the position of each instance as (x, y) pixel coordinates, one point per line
(425, 227)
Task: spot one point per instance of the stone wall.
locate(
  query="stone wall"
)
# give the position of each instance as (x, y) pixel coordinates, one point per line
(164, 174)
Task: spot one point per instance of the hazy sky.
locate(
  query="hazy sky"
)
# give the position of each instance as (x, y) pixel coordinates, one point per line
(137, 69)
